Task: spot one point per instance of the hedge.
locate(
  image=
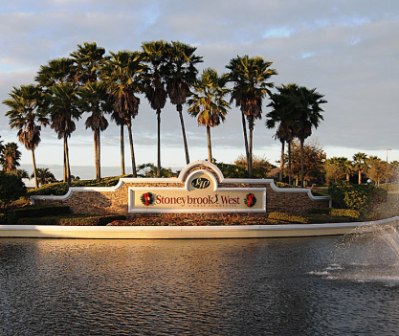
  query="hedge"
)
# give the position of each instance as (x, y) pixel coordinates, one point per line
(71, 220)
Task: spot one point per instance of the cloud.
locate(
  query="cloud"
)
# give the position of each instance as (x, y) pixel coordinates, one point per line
(347, 50)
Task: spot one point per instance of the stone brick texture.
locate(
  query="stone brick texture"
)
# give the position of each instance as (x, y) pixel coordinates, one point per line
(116, 201)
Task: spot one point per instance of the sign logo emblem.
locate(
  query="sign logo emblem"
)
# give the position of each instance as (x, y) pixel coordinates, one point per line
(200, 183)
(250, 200)
(147, 198)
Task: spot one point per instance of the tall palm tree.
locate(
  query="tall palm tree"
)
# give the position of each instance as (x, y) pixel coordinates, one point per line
(58, 96)
(154, 57)
(94, 99)
(23, 115)
(250, 76)
(282, 115)
(11, 157)
(181, 75)
(88, 61)
(309, 115)
(119, 121)
(359, 165)
(122, 77)
(207, 103)
(61, 105)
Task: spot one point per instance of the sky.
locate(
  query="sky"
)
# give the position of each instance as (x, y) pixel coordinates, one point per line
(347, 49)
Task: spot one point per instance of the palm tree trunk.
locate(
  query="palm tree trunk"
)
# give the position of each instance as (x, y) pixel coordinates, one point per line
(244, 131)
(65, 165)
(302, 141)
(289, 164)
(68, 167)
(134, 170)
(179, 109)
(159, 143)
(281, 173)
(208, 135)
(97, 153)
(359, 177)
(34, 169)
(251, 141)
(122, 145)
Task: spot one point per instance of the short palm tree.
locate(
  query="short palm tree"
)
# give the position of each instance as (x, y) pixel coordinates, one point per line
(45, 176)
(122, 77)
(154, 57)
(180, 76)
(207, 103)
(23, 114)
(250, 77)
(11, 157)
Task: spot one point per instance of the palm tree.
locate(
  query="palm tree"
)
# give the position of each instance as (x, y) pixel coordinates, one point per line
(250, 79)
(154, 56)
(24, 116)
(11, 157)
(360, 165)
(119, 121)
(88, 61)
(181, 75)
(282, 114)
(94, 99)
(122, 77)
(61, 104)
(45, 176)
(309, 116)
(207, 103)
(58, 97)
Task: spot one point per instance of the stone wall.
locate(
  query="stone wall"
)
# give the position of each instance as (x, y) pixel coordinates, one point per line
(114, 200)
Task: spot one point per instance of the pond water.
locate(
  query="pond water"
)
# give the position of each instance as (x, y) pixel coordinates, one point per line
(296, 286)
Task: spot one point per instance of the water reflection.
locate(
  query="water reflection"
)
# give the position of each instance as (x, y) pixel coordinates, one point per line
(182, 287)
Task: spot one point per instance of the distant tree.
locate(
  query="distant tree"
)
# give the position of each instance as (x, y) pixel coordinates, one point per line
(45, 176)
(261, 167)
(378, 170)
(149, 170)
(313, 162)
(335, 169)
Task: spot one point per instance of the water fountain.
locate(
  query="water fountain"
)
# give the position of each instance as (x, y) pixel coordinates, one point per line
(368, 254)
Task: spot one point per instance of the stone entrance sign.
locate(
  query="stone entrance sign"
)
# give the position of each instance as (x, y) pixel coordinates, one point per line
(199, 188)
(200, 193)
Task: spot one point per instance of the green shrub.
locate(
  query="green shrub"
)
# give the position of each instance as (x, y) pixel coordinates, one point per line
(356, 197)
(41, 211)
(282, 217)
(11, 188)
(72, 220)
(59, 188)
